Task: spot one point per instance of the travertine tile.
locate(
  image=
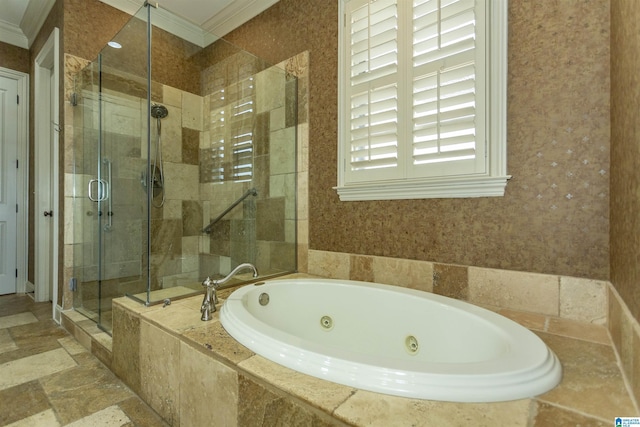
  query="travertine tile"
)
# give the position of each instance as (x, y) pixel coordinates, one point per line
(635, 376)
(160, 387)
(6, 342)
(550, 415)
(575, 329)
(108, 417)
(626, 350)
(101, 352)
(175, 318)
(403, 272)
(528, 320)
(614, 316)
(258, 406)
(537, 293)
(368, 409)
(22, 401)
(72, 346)
(33, 367)
(172, 209)
(190, 146)
(171, 96)
(160, 295)
(451, 281)
(361, 268)
(17, 320)
(282, 144)
(270, 90)
(181, 181)
(140, 414)
(591, 383)
(208, 390)
(584, 300)
(82, 337)
(88, 388)
(42, 419)
(323, 394)
(170, 136)
(192, 109)
(213, 337)
(333, 265)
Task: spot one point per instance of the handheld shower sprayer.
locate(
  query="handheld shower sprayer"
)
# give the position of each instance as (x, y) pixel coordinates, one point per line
(156, 181)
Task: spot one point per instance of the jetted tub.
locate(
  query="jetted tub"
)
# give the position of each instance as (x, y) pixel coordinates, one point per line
(391, 340)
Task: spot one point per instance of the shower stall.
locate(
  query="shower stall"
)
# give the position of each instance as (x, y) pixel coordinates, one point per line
(184, 166)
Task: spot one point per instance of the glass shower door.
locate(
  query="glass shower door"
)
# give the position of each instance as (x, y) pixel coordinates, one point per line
(112, 160)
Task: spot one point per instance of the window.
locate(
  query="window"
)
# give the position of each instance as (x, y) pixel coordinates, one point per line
(422, 87)
(230, 157)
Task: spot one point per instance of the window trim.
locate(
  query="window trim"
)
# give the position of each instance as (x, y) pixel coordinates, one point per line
(492, 183)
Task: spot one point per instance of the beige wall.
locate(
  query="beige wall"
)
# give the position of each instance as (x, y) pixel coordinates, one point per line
(14, 58)
(625, 151)
(554, 216)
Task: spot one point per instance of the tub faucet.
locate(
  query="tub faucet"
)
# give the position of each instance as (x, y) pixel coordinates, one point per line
(211, 297)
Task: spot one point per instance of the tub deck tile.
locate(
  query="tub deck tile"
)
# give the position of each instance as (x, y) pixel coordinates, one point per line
(365, 408)
(211, 337)
(323, 394)
(592, 382)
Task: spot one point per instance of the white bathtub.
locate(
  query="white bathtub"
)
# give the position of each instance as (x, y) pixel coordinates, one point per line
(391, 340)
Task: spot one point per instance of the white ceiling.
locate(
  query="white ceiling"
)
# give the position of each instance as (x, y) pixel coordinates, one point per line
(199, 21)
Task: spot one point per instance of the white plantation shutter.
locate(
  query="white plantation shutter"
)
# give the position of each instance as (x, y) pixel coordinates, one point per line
(415, 112)
(448, 75)
(373, 86)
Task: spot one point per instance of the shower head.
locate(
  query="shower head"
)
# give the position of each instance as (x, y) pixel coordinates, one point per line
(159, 111)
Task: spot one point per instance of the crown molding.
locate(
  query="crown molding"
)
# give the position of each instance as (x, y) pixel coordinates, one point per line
(34, 17)
(164, 19)
(128, 6)
(231, 17)
(234, 15)
(12, 34)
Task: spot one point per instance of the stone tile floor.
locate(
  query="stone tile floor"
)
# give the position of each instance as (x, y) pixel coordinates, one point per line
(48, 379)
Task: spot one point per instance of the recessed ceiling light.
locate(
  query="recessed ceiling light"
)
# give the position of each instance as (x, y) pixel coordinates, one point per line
(114, 45)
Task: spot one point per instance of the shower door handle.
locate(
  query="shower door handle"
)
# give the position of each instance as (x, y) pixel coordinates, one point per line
(102, 188)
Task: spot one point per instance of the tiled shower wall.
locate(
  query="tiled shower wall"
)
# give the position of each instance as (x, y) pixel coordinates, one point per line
(262, 230)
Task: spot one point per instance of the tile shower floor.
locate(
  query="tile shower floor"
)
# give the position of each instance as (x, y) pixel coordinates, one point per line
(48, 379)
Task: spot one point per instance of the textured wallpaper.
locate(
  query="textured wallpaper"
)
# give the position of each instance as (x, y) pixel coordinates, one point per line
(625, 151)
(554, 216)
(14, 57)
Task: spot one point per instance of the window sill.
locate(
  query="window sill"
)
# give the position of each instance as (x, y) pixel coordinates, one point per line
(459, 187)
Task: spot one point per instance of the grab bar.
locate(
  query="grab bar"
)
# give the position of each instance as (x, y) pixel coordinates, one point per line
(252, 192)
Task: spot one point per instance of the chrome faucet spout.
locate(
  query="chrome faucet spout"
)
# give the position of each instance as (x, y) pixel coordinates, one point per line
(243, 266)
(210, 296)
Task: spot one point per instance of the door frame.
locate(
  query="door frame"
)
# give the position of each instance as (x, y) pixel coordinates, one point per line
(22, 195)
(46, 116)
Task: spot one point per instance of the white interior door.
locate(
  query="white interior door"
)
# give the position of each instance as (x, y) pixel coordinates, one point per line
(8, 183)
(44, 212)
(46, 137)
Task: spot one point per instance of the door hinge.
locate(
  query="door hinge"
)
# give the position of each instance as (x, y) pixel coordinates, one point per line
(17, 163)
(16, 208)
(17, 99)
(16, 273)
